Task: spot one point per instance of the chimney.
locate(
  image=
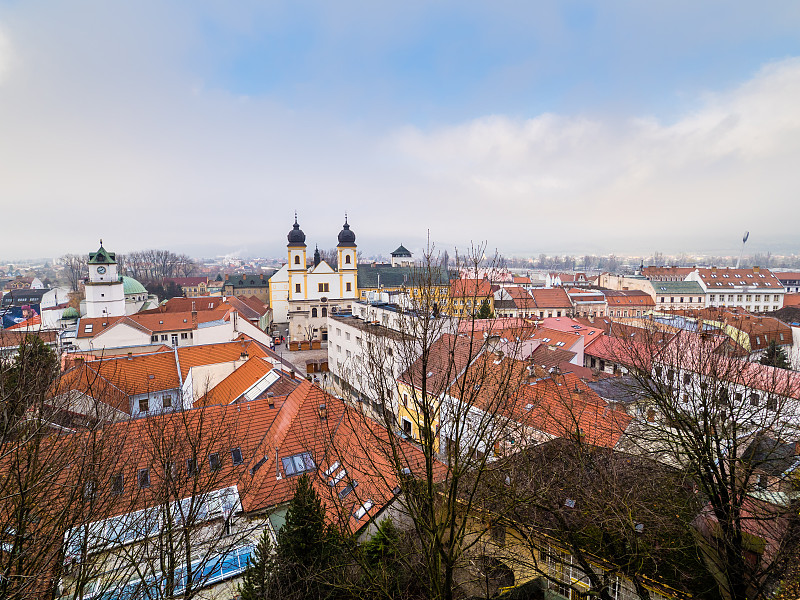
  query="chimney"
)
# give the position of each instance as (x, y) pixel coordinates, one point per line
(227, 277)
(130, 355)
(755, 269)
(714, 269)
(271, 399)
(323, 412)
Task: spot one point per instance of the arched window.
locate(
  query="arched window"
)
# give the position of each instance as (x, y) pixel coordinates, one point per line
(313, 312)
(347, 259)
(297, 259)
(324, 312)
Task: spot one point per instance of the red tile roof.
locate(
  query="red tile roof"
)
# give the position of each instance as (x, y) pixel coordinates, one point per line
(201, 303)
(551, 298)
(470, 288)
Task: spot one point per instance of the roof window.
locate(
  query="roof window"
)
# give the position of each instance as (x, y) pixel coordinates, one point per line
(337, 478)
(88, 328)
(298, 463)
(236, 456)
(363, 510)
(349, 488)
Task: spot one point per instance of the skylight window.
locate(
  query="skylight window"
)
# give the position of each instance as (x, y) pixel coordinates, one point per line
(236, 456)
(298, 463)
(363, 510)
(348, 488)
(337, 478)
(88, 328)
(214, 461)
(331, 469)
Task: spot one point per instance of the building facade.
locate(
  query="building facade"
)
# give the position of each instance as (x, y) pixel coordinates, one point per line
(302, 294)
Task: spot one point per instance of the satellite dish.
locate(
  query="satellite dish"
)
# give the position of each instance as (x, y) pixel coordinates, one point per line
(746, 235)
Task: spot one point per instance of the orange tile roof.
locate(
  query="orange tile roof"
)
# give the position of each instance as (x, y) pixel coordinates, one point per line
(552, 337)
(551, 298)
(447, 357)
(200, 304)
(470, 288)
(237, 383)
(628, 298)
(763, 278)
(138, 374)
(151, 322)
(563, 405)
(209, 354)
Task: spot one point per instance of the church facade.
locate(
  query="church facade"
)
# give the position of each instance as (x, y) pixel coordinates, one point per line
(303, 293)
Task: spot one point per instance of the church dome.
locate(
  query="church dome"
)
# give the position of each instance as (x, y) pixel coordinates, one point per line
(346, 237)
(296, 236)
(131, 286)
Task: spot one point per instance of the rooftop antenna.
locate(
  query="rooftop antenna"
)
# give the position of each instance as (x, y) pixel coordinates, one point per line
(744, 241)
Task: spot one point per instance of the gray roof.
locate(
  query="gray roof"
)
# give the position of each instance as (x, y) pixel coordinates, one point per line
(368, 276)
(687, 288)
(401, 251)
(621, 390)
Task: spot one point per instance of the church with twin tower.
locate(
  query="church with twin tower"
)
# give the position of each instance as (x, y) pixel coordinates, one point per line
(303, 292)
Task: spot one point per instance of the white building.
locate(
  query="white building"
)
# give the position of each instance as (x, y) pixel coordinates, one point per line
(755, 290)
(105, 293)
(302, 294)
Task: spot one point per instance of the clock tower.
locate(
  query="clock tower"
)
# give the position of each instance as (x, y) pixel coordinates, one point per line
(105, 293)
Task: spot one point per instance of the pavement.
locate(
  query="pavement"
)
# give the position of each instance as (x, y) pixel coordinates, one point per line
(298, 358)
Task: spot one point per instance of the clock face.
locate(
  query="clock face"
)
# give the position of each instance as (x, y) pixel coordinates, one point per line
(101, 270)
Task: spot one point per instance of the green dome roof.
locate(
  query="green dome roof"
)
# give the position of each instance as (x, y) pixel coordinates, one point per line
(131, 286)
(70, 313)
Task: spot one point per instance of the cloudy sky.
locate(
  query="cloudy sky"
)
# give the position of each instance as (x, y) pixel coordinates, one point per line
(599, 127)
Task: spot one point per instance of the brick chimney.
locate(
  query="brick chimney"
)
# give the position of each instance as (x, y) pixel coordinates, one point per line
(756, 269)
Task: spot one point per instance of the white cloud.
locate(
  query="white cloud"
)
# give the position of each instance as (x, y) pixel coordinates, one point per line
(728, 163)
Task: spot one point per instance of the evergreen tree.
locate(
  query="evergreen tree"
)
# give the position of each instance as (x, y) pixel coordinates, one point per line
(485, 311)
(309, 553)
(258, 576)
(775, 356)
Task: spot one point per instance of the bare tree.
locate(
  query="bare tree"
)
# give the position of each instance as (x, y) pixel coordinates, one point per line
(75, 268)
(454, 397)
(730, 425)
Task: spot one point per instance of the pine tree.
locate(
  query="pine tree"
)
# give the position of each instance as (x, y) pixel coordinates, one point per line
(255, 584)
(308, 550)
(775, 356)
(485, 311)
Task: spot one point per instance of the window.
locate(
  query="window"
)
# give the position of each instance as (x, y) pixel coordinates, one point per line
(297, 288)
(349, 287)
(772, 403)
(297, 259)
(214, 461)
(758, 297)
(347, 489)
(748, 297)
(405, 399)
(324, 287)
(164, 337)
(347, 259)
(347, 335)
(314, 312)
(754, 399)
(144, 478)
(191, 467)
(144, 404)
(184, 336)
(117, 483)
(236, 456)
(298, 464)
(712, 298)
(166, 400)
(154, 338)
(89, 490)
(324, 311)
